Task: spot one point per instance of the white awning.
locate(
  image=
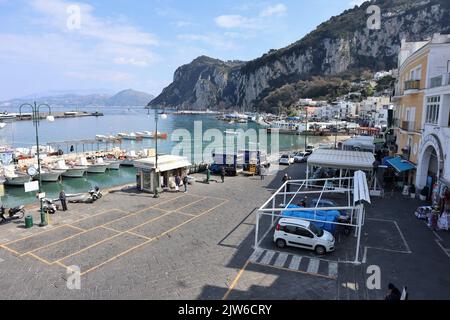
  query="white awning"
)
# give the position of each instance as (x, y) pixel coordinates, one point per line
(165, 163)
(341, 159)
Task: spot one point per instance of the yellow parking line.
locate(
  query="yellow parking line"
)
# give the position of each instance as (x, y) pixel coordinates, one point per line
(235, 281)
(186, 214)
(190, 204)
(39, 258)
(9, 249)
(36, 234)
(152, 239)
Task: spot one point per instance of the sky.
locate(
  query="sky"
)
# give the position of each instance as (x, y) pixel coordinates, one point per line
(111, 45)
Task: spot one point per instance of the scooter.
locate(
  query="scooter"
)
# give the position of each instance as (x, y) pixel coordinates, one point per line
(95, 193)
(13, 214)
(50, 206)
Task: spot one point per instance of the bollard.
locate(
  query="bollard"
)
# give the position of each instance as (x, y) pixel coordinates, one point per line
(28, 222)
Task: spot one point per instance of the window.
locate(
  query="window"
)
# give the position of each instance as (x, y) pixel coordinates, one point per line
(288, 229)
(432, 109)
(304, 233)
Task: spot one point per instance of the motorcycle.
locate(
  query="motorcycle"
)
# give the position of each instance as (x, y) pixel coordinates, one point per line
(13, 214)
(50, 206)
(95, 193)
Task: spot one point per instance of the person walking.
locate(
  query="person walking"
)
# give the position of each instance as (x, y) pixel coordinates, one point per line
(222, 174)
(208, 174)
(262, 172)
(185, 183)
(62, 198)
(177, 183)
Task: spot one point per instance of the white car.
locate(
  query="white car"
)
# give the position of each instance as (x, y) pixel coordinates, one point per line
(300, 157)
(302, 234)
(286, 159)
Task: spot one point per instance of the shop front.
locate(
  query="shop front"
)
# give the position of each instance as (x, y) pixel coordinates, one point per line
(168, 168)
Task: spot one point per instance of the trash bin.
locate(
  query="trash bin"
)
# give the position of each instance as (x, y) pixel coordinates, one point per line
(28, 222)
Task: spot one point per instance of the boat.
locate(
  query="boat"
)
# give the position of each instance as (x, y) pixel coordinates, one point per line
(101, 137)
(127, 136)
(14, 178)
(128, 159)
(72, 170)
(231, 132)
(113, 164)
(48, 175)
(99, 166)
(151, 135)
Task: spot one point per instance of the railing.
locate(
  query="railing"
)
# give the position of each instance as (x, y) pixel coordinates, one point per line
(412, 85)
(407, 125)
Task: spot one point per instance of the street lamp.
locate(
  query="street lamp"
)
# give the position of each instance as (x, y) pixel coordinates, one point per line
(336, 130)
(157, 178)
(306, 129)
(36, 117)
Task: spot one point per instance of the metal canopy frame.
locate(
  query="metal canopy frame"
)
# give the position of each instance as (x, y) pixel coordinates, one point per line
(354, 188)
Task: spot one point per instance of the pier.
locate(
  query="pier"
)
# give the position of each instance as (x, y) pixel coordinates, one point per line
(56, 115)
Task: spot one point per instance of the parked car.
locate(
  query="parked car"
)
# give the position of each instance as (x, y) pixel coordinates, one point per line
(310, 149)
(303, 234)
(301, 157)
(286, 159)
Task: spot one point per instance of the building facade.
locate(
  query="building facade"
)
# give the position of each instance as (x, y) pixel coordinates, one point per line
(408, 99)
(433, 165)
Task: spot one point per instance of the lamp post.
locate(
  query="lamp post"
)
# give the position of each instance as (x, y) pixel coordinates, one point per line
(336, 130)
(36, 117)
(306, 129)
(157, 178)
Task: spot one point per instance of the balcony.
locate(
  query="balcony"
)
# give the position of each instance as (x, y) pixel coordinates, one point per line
(439, 81)
(407, 125)
(412, 85)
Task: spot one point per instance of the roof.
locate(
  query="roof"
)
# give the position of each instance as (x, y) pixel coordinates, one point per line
(165, 163)
(400, 165)
(297, 221)
(341, 159)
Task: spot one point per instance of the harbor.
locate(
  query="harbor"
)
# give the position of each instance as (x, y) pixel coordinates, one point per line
(25, 116)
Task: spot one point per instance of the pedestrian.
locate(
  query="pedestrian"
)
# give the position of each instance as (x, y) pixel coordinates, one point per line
(285, 179)
(62, 198)
(262, 172)
(222, 174)
(393, 294)
(185, 183)
(177, 183)
(208, 174)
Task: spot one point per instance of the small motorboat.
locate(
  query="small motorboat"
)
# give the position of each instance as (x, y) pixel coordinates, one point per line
(151, 135)
(101, 137)
(48, 175)
(128, 159)
(113, 164)
(98, 166)
(71, 170)
(127, 136)
(14, 178)
(231, 132)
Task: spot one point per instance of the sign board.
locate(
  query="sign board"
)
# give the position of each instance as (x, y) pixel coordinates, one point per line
(31, 186)
(2, 190)
(41, 195)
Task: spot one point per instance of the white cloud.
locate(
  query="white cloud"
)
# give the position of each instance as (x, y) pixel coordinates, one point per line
(54, 14)
(236, 21)
(214, 40)
(275, 10)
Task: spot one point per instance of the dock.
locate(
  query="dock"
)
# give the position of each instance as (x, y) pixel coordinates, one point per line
(56, 115)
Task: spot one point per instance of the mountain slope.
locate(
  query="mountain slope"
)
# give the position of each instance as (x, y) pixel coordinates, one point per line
(339, 47)
(124, 98)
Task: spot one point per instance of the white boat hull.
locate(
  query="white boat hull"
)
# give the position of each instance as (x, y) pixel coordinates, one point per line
(74, 173)
(97, 168)
(127, 163)
(113, 165)
(49, 176)
(17, 181)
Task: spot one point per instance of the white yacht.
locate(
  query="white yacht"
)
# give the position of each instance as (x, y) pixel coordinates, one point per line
(14, 178)
(113, 164)
(71, 170)
(99, 166)
(49, 175)
(127, 136)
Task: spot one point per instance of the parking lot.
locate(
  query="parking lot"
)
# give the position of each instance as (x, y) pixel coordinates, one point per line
(91, 242)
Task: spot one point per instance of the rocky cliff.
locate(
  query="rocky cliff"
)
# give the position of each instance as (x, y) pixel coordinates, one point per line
(341, 46)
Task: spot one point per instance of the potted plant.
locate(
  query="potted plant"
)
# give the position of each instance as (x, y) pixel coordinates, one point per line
(424, 193)
(412, 191)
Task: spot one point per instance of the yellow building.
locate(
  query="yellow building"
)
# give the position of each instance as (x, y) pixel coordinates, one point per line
(408, 99)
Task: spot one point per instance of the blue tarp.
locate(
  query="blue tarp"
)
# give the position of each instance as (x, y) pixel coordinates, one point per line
(399, 164)
(322, 215)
